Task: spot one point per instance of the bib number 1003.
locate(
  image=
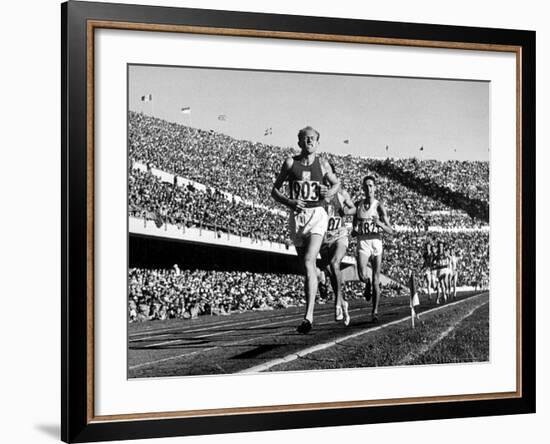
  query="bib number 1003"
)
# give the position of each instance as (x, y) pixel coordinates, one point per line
(306, 190)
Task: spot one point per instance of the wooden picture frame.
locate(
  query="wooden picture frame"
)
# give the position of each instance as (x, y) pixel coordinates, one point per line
(80, 20)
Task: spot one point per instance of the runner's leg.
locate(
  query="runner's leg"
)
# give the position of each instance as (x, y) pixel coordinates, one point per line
(376, 263)
(337, 253)
(311, 281)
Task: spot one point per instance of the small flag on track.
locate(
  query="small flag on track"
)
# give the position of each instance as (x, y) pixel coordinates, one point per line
(346, 141)
(186, 110)
(222, 117)
(147, 98)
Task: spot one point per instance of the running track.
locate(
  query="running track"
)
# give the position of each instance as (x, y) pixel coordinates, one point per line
(240, 341)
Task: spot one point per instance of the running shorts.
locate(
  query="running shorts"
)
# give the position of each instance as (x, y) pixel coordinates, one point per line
(369, 247)
(307, 222)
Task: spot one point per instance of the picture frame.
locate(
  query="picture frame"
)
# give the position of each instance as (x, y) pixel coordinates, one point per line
(79, 179)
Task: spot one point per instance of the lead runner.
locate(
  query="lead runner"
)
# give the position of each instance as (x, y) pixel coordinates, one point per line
(306, 174)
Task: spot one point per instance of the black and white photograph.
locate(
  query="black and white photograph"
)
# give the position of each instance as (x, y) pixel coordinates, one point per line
(285, 221)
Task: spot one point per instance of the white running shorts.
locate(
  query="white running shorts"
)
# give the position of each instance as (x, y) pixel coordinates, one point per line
(307, 222)
(369, 247)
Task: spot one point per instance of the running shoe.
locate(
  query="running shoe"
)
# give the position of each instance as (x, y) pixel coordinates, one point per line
(347, 318)
(304, 327)
(338, 316)
(374, 318)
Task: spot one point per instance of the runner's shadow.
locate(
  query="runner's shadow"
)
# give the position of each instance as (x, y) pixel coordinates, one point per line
(257, 351)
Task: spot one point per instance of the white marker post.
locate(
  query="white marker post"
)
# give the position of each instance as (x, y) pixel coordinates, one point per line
(414, 301)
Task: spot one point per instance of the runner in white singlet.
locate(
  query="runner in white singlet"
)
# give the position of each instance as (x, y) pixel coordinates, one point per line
(335, 244)
(442, 268)
(369, 222)
(454, 271)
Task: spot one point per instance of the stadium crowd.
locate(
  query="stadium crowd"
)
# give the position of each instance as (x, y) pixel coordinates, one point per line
(247, 169)
(175, 293)
(435, 179)
(186, 206)
(470, 178)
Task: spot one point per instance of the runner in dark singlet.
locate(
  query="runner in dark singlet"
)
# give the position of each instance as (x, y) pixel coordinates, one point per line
(427, 268)
(308, 222)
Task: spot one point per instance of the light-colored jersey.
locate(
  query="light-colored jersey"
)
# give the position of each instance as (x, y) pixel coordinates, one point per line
(364, 220)
(336, 228)
(453, 264)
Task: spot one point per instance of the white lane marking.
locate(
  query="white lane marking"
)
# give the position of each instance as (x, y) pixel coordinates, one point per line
(293, 356)
(426, 348)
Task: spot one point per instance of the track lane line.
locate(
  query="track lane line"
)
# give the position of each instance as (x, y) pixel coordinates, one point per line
(186, 354)
(293, 356)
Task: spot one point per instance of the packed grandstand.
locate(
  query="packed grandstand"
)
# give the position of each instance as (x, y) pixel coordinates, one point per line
(227, 185)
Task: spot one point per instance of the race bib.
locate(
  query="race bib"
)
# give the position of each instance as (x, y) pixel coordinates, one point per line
(334, 223)
(306, 190)
(367, 226)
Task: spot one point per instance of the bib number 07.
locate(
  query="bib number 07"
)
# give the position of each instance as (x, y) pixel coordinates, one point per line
(334, 223)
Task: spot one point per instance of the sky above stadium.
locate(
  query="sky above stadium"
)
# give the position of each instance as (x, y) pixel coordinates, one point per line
(358, 115)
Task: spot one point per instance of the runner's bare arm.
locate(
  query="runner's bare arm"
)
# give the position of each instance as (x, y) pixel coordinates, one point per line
(332, 180)
(354, 222)
(349, 206)
(383, 221)
(276, 192)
